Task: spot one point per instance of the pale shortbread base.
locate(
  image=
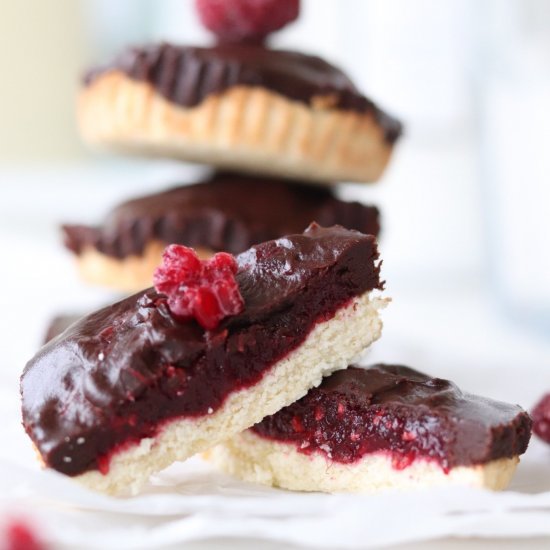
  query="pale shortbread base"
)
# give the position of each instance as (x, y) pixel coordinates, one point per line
(129, 274)
(260, 460)
(330, 346)
(244, 128)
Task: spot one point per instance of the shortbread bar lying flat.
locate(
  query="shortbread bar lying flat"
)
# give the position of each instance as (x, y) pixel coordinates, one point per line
(238, 106)
(225, 212)
(385, 427)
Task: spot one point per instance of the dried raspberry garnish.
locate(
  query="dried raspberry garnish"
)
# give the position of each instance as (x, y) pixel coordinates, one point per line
(246, 20)
(19, 536)
(541, 418)
(205, 290)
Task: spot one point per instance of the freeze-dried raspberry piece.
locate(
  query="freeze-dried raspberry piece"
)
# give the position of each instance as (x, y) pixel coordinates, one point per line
(246, 20)
(19, 536)
(541, 418)
(205, 290)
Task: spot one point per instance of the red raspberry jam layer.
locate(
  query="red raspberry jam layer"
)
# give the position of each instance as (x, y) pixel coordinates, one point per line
(396, 409)
(117, 375)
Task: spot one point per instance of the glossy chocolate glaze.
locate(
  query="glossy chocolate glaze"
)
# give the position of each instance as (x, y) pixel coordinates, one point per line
(399, 410)
(59, 324)
(119, 374)
(187, 75)
(226, 212)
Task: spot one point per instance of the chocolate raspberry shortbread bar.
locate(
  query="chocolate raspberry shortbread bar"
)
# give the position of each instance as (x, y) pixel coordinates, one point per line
(215, 347)
(225, 212)
(239, 104)
(385, 427)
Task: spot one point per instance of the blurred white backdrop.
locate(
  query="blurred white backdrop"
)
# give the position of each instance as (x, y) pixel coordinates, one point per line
(465, 202)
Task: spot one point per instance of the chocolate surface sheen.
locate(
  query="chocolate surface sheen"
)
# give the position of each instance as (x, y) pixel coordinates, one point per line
(187, 75)
(59, 324)
(118, 374)
(399, 410)
(227, 212)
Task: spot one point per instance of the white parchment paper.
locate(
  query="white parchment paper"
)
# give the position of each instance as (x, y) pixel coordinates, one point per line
(456, 339)
(191, 502)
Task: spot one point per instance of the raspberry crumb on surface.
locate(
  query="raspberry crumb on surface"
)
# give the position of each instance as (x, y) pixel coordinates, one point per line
(19, 536)
(402, 461)
(246, 20)
(204, 290)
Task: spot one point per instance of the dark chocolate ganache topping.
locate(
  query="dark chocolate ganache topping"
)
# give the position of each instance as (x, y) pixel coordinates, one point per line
(187, 75)
(227, 212)
(59, 324)
(399, 410)
(119, 374)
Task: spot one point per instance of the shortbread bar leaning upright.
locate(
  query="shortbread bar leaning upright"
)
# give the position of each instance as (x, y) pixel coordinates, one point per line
(130, 389)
